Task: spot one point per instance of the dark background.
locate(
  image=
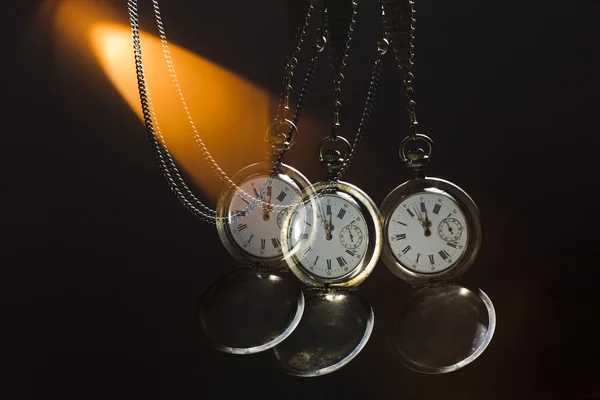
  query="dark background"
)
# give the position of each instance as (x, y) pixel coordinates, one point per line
(102, 267)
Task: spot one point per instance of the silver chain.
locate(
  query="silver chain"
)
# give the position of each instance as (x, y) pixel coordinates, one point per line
(399, 22)
(167, 165)
(169, 168)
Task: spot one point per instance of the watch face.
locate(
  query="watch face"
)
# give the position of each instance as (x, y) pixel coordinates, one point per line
(330, 236)
(258, 233)
(427, 232)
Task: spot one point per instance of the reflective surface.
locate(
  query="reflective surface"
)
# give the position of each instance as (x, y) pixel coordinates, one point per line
(334, 329)
(442, 328)
(249, 311)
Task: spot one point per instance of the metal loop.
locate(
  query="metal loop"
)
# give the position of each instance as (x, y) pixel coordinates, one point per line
(382, 46)
(332, 158)
(321, 42)
(278, 137)
(416, 158)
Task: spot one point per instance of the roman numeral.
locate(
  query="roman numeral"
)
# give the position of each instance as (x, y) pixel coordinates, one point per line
(400, 236)
(341, 213)
(241, 227)
(316, 259)
(451, 244)
(444, 255)
(328, 263)
(328, 209)
(423, 209)
(276, 242)
(263, 243)
(431, 259)
(410, 212)
(307, 223)
(401, 223)
(281, 196)
(406, 249)
(418, 255)
(255, 191)
(436, 209)
(304, 236)
(351, 252)
(341, 261)
(309, 249)
(251, 236)
(244, 200)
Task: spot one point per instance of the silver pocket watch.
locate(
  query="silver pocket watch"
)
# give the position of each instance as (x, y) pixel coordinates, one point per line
(333, 237)
(254, 308)
(432, 235)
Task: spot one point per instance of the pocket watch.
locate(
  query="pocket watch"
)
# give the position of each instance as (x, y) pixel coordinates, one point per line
(333, 236)
(254, 308)
(432, 236)
(334, 240)
(432, 228)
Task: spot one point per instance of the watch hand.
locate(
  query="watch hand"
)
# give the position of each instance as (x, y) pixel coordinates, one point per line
(320, 216)
(351, 237)
(426, 223)
(267, 208)
(449, 227)
(419, 216)
(270, 194)
(328, 229)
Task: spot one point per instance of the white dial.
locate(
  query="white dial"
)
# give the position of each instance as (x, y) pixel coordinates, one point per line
(259, 232)
(427, 233)
(326, 247)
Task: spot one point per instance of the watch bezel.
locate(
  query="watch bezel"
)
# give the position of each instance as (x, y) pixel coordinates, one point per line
(286, 173)
(372, 218)
(472, 220)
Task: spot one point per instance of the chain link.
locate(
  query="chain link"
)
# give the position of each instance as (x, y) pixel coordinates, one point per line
(399, 23)
(290, 64)
(340, 17)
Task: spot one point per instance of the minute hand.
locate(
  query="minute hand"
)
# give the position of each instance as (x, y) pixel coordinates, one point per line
(426, 223)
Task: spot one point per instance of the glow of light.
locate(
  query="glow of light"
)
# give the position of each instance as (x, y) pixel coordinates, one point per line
(230, 113)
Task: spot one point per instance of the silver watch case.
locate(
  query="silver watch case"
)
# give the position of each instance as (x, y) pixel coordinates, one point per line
(375, 238)
(285, 173)
(472, 218)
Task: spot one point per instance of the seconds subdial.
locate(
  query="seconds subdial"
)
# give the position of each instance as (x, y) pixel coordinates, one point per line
(351, 236)
(450, 229)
